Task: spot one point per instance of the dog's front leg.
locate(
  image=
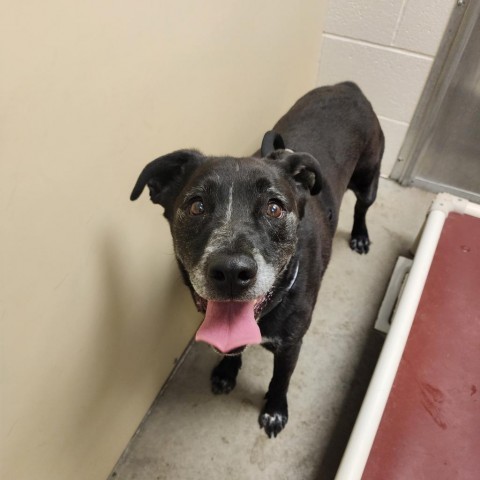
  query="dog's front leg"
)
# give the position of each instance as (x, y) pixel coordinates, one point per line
(274, 415)
(224, 375)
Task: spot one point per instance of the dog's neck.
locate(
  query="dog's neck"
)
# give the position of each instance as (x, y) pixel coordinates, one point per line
(278, 296)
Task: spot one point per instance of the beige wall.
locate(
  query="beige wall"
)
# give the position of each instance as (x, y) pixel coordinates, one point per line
(92, 315)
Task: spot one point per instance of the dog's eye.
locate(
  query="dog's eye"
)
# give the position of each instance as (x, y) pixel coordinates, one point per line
(275, 210)
(197, 208)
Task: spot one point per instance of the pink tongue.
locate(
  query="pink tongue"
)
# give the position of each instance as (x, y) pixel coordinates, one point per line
(229, 325)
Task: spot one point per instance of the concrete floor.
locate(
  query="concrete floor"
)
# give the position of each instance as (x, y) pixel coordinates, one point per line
(192, 434)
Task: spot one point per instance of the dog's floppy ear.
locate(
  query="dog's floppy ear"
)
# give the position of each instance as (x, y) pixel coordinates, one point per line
(272, 141)
(166, 175)
(304, 169)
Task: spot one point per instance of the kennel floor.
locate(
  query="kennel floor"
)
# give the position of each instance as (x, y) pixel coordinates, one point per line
(190, 433)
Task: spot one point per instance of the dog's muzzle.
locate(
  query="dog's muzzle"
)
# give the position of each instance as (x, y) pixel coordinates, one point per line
(230, 319)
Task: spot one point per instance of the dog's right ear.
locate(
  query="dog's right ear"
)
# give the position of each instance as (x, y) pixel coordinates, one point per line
(272, 141)
(302, 167)
(166, 175)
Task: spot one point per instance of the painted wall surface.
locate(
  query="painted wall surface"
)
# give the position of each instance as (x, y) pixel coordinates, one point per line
(388, 48)
(92, 311)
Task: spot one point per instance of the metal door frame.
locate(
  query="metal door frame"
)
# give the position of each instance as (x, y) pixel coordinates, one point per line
(451, 49)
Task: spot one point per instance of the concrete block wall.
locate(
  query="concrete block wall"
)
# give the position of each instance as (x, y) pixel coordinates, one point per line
(387, 47)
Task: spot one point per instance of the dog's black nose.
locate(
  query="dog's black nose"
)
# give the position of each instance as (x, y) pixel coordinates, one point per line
(231, 274)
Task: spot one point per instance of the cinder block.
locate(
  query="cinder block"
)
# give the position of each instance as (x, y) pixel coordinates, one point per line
(368, 20)
(423, 24)
(392, 79)
(394, 136)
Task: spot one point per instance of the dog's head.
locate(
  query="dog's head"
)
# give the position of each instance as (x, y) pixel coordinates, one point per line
(234, 225)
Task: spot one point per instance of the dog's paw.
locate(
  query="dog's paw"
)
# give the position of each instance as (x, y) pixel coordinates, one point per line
(274, 417)
(360, 243)
(272, 423)
(222, 384)
(224, 375)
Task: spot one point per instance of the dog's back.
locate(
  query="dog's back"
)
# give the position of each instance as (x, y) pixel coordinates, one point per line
(334, 124)
(337, 125)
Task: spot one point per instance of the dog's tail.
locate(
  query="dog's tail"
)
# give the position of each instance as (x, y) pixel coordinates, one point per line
(272, 141)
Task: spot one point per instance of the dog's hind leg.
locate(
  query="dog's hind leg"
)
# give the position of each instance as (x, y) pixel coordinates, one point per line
(224, 375)
(364, 183)
(366, 193)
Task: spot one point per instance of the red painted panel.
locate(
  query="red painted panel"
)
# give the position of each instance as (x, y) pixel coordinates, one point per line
(431, 425)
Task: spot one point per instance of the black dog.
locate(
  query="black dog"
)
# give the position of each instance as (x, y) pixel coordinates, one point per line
(253, 243)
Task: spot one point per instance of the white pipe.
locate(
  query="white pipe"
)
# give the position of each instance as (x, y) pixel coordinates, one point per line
(472, 209)
(449, 203)
(368, 420)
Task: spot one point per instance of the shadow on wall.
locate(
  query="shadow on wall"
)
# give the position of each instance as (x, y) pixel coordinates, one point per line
(133, 319)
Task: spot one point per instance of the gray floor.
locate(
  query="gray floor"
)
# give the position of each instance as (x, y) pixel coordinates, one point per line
(192, 434)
